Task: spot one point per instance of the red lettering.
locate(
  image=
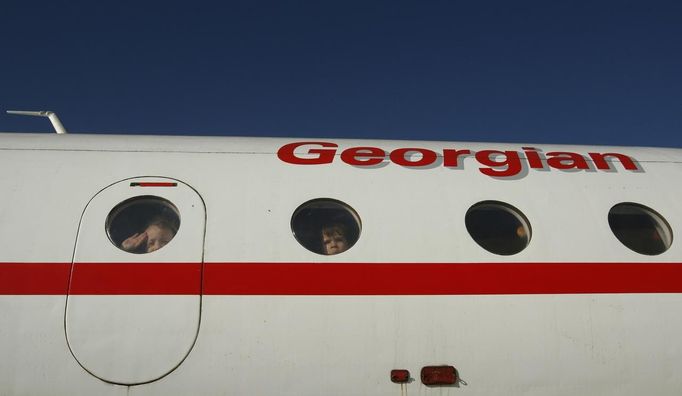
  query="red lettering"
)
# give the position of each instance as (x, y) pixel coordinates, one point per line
(494, 163)
(566, 160)
(601, 162)
(287, 153)
(451, 157)
(512, 163)
(533, 157)
(398, 157)
(363, 156)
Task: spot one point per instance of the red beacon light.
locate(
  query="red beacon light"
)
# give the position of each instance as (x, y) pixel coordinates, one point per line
(439, 375)
(400, 376)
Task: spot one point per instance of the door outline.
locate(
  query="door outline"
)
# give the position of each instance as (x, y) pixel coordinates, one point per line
(201, 275)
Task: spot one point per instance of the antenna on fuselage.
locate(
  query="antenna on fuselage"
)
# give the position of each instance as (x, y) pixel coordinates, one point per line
(56, 124)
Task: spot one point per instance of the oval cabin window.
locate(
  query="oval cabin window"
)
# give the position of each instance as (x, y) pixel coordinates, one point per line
(326, 226)
(143, 224)
(498, 227)
(640, 228)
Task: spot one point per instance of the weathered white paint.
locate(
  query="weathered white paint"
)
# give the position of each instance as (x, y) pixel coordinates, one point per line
(607, 344)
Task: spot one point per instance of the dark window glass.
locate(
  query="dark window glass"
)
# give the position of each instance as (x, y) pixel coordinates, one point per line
(640, 228)
(142, 224)
(326, 226)
(498, 228)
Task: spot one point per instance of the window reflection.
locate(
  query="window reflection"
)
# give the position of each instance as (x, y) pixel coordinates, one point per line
(640, 228)
(498, 227)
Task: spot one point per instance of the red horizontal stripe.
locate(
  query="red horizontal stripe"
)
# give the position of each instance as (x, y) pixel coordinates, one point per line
(340, 278)
(444, 279)
(34, 278)
(136, 278)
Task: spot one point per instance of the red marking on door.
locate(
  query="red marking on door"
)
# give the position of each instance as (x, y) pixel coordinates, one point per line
(153, 184)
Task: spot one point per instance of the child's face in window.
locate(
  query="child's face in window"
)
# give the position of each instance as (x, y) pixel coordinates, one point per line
(157, 237)
(334, 241)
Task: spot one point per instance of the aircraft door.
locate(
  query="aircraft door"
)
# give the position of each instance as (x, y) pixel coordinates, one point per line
(134, 300)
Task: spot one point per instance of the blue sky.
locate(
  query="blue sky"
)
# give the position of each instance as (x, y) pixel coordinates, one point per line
(539, 72)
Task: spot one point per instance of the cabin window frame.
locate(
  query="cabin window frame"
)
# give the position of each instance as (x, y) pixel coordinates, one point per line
(305, 232)
(163, 206)
(483, 235)
(666, 237)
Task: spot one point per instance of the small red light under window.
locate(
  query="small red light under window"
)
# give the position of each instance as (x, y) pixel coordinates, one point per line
(439, 375)
(400, 376)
